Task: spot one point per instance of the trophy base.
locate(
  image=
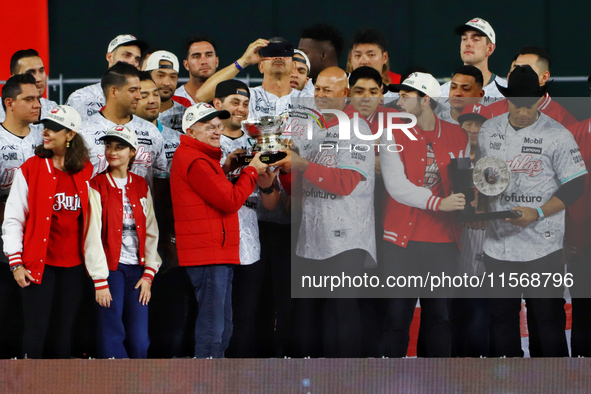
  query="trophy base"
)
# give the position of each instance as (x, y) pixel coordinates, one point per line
(481, 217)
(266, 158)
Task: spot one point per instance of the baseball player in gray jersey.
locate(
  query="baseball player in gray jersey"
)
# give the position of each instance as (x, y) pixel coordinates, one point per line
(122, 88)
(90, 99)
(546, 176)
(27, 61)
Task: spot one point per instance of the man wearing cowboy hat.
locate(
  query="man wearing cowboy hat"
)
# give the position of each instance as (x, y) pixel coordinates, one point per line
(547, 175)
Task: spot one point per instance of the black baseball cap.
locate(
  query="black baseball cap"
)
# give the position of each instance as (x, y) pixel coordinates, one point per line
(231, 86)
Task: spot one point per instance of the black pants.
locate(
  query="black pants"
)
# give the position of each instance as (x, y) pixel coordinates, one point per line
(331, 327)
(261, 299)
(246, 290)
(470, 327)
(580, 268)
(11, 314)
(418, 259)
(546, 318)
(172, 314)
(49, 309)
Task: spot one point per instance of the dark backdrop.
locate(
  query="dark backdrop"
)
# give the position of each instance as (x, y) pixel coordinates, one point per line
(419, 32)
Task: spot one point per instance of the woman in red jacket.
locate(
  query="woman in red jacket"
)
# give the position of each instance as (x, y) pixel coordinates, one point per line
(43, 233)
(129, 238)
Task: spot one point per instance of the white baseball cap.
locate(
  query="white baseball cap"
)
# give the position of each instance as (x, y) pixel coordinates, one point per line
(62, 116)
(123, 134)
(201, 112)
(153, 62)
(302, 54)
(480, 25)
(421, 82)
(126, 39)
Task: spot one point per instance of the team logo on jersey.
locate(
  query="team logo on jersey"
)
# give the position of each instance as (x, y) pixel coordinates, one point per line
(326, 159)
(531, 149)
(142, 156)
(525, 165)
(499, 136)
(68, 203)
(8, 177)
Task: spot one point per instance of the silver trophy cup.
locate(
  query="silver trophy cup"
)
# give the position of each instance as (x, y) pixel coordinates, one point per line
(266, 131)
(491, 176)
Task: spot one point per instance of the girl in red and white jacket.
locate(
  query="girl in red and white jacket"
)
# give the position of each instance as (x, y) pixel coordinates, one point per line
(44, 233)
(129, 238)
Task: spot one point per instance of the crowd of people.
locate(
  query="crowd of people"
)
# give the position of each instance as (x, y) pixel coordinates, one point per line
(138, 221)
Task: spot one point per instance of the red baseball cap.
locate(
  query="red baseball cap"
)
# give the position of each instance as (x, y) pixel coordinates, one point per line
(475, 112)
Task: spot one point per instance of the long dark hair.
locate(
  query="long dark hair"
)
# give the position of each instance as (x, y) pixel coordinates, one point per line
(76, 154)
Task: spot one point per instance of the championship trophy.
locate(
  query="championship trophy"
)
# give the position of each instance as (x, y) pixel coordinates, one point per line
(491, 176)
(266, 131)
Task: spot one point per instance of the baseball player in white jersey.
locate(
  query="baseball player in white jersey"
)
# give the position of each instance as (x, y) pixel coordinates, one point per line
(18, 138)
(163, 66)
(27, 61)
(148, 109)
(337, 233)
(336, 223)
(465, 89)
(201, 63)
(546, 176)
(121, 82)
(299, 75)
(250, 245)
(18, 134)
(477, 45)
(233, 96)
(90, 99)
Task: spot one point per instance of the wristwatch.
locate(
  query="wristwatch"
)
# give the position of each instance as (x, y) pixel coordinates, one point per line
(267, 190)
(15, 267)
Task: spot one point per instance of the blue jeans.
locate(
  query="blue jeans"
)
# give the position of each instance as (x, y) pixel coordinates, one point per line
(213, 290)
(122, 329)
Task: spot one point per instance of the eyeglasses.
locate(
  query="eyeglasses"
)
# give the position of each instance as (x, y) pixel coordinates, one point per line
(211, 128)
